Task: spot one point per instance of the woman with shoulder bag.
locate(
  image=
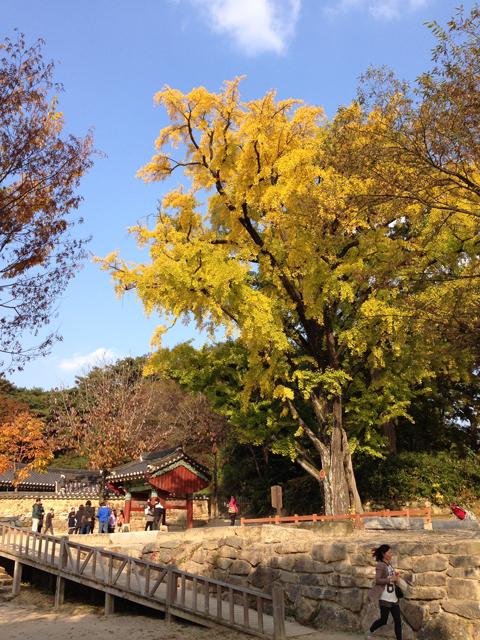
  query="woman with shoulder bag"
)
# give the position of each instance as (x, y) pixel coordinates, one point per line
(385, 591)
(232, 510)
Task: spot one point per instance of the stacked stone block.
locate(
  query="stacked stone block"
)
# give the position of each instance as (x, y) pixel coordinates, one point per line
(326, 582)
(20, 507)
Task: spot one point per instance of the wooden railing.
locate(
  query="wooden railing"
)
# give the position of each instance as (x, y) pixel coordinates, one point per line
(181, 594)
(356, 518)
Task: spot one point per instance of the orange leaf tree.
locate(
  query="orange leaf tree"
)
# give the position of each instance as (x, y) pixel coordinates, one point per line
(40, 170)
(114, 414)
(23, 444)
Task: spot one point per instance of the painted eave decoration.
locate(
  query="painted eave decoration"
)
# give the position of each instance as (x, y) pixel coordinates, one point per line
(155, 464)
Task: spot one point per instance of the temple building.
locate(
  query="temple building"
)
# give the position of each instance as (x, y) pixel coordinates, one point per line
(170, 474)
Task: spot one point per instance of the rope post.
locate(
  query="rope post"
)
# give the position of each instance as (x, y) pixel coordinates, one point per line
(278, 612)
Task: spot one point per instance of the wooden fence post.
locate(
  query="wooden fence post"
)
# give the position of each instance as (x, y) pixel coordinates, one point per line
(62, 556)
(17, 578)
(59, 592)
(427, 519)
(109, 603)
(171, 592)
(278, 612)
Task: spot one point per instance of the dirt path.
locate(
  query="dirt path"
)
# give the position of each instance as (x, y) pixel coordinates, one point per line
(30, 616)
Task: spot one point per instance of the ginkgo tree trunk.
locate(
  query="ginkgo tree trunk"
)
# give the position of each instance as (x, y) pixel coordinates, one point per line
(263, 240)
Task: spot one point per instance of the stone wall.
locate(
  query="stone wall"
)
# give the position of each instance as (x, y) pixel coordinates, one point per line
(21, 507)
(326, 582)
(12, 505)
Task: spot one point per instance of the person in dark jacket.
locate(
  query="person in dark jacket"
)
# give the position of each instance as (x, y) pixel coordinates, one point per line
(49, 522)
(92, 521)
(383, 591)
(71, 521)
(79, 519)
(37, 515)
(88, 515)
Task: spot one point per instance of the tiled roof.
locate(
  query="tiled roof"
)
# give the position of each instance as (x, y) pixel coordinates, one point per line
(160, 453)
(50, 476)
(152, 462)
(158, 465)
(139, 467)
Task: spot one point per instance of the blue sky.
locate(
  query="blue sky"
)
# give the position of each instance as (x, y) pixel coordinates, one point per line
(113, 55)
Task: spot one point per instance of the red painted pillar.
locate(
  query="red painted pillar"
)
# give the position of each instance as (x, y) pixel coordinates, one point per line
(128, 507)
(189, 512)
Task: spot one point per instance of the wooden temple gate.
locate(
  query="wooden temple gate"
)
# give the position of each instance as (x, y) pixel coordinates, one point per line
(170, 475)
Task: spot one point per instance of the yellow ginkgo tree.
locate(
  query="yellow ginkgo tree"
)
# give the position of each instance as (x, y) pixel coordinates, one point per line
(268, 240)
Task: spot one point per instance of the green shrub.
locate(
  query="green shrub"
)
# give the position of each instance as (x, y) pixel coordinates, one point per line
(241, 477)
(303, 496)
(440, 477)
(70, 461)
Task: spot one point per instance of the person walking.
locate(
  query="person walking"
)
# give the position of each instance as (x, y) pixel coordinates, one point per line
(71, 521)
(80, 519)
(384, 591)
(103, 516)
(232, 510)
(148, 517)
(40, 522)
(120, 521)
(112, 521)
(87, 517)
(92, 519)
(157, 514)
(37, 515)
(49, 522)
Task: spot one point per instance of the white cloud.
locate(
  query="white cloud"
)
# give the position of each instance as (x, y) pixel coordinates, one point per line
(256, 26)
(378, 9)
(98, 357)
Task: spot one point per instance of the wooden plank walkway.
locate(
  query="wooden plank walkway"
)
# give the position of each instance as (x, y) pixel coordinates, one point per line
(162, 587)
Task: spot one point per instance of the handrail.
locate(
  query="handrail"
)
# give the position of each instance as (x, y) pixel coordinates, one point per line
(425, 513)
(166, 584)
